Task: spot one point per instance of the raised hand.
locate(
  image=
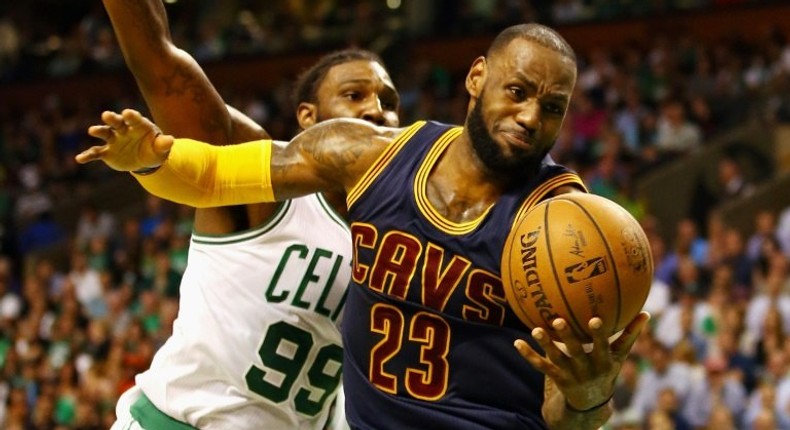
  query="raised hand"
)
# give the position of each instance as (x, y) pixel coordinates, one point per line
(132, 142)
(585, 378)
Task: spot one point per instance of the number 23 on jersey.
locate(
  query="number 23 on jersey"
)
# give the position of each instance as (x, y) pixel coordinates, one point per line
(427, 380)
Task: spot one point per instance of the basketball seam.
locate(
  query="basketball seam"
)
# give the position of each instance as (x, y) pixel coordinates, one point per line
(575, 324)
(611, 258)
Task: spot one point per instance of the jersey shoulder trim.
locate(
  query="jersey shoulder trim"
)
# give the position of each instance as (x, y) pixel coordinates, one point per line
(421, 185)
(543, 190)
(226, 239)
(381, 162)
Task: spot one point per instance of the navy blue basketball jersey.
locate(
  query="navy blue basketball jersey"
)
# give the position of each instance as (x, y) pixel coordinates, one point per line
(428, 335)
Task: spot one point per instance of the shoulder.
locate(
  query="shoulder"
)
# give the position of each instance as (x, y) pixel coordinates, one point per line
(340, 150)
(344, 142)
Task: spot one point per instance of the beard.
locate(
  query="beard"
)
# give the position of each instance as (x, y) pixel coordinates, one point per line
(520, 164)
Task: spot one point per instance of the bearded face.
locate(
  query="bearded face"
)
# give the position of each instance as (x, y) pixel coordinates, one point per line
(500, 161)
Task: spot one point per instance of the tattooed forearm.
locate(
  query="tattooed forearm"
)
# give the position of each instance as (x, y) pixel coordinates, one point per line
(331, 155)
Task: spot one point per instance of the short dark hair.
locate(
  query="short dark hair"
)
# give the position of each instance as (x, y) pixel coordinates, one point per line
(306, 88)
(537, 33)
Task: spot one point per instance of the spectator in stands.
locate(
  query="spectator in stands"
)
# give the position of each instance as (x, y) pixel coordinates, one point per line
(87, 284)
(718, 387)
(155, 215)
(733, 184)
(50, 279)
(670, 406)
(40, 233)
(659, 297)
(701, 114)
(764, 230)
(682, 322)
(568, 11)
(734, 256)
(10, 301)
(126, 247)
(770, 294)
(721, 418)
(663, 374)
(626, 420)
(93, 223)
(676, 135)
(741, 366)
(626, 383)
(628, 119)
(760, 407)
(782, 405)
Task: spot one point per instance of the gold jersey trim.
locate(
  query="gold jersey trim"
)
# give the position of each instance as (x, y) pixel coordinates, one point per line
(381, 162)
(421, 187)
(540, 193)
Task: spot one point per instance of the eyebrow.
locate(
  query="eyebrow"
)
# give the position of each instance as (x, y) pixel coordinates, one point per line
(530, 82)
(389, 90)
(356, 81)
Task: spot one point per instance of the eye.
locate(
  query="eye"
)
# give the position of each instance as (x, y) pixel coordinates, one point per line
(389, 105)
(354, 96)
(516, 92)
(553, 108)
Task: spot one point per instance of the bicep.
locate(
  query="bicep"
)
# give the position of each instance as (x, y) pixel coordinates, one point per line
(330, 156)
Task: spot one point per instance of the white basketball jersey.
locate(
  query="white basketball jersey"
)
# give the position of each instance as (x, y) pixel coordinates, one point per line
(256, 342)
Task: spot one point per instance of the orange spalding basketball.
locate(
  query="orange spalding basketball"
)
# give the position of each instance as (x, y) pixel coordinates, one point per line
(577, 256)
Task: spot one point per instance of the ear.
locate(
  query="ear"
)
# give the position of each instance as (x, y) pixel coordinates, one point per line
(306, 114)
(476, 77)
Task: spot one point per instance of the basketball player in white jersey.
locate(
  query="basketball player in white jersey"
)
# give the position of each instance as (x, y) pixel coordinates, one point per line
(256, 342)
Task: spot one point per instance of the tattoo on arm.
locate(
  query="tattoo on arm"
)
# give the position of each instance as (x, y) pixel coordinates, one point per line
(329, 156)
(180, 96)
(144, 20)
(337, 157)
(185, 81)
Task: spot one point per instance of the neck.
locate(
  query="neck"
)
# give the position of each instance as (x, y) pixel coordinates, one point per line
(460, 187)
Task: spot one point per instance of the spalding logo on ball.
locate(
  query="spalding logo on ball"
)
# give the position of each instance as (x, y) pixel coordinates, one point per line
(577, 256)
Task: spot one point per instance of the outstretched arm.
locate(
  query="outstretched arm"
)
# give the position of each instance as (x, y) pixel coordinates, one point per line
(330, 156)
(181, 98)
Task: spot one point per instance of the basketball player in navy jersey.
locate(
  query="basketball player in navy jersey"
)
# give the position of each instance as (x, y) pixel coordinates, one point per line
(428, 336)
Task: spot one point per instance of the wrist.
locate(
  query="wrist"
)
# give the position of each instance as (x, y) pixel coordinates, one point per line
(571, 408)
(150, 169)
(146, 170)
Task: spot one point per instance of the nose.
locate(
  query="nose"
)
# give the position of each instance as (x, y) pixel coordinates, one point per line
(529, 116)
(373, 112)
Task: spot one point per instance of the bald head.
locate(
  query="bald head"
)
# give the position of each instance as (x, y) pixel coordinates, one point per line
(536, 33)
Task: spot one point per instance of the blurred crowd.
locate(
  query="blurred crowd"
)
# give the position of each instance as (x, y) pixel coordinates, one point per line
(85, 304)
(45, 38)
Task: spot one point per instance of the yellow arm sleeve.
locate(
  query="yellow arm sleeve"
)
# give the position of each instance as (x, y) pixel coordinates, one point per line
(201, 175)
